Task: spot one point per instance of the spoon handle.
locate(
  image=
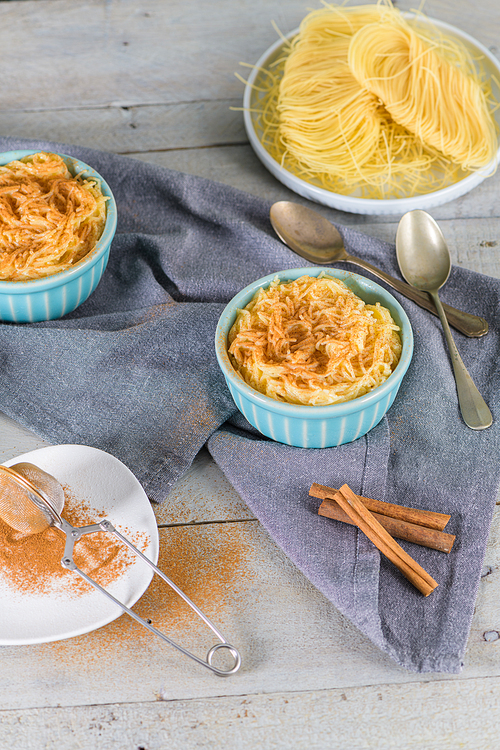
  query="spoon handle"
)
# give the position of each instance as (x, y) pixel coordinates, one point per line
(470, 325)
(475, 412)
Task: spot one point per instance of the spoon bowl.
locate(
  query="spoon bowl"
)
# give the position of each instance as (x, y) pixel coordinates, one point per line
(307, 233)
(315, 238)
(423, 255)
(424, 260)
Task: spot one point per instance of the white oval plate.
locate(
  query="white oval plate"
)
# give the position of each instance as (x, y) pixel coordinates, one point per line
(370, 205)
(106, 485)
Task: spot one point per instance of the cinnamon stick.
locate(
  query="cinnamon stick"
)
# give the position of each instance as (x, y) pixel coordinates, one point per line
(364, 520)
(411, 515)
(409, 532)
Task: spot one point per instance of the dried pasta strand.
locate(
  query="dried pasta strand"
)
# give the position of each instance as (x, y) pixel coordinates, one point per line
(49, 219)
(313, 341)
(436, 101)
(319, 122)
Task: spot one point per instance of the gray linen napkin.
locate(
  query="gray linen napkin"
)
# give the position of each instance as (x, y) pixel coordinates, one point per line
(133, 372)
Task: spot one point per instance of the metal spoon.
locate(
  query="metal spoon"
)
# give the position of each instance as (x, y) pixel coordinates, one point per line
(314, 238)
(424, 260)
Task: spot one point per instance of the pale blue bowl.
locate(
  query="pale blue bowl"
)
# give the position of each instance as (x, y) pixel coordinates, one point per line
(54, 296)
(314, 426)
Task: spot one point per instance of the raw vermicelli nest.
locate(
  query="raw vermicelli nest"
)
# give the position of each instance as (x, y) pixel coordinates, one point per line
(313, 341)
(364, 102)
(49, 218)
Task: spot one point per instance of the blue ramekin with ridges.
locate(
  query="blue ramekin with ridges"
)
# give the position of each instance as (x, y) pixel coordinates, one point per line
(53, 296)
(314, 426)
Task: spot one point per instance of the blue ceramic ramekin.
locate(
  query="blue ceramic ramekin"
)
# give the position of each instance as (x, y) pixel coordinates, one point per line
(314, 426)
(53, 296)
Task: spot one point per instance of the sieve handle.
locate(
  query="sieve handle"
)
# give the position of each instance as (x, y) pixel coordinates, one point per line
(74, 534)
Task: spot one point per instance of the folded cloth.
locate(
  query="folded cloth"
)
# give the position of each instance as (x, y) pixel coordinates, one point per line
(133, 372)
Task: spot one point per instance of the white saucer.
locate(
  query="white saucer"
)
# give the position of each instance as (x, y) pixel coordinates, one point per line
(106, 485)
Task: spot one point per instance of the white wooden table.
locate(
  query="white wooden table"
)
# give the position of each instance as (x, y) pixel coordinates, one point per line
(154, 79)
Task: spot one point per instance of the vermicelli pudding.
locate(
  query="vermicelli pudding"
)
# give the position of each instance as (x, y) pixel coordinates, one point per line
(312, 341)
(49, 218)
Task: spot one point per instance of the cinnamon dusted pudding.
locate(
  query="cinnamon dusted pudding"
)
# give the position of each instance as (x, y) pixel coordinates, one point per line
(313, 341)
(49, 219)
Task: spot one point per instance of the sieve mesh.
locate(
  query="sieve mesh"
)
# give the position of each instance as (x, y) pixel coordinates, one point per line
(22, 502)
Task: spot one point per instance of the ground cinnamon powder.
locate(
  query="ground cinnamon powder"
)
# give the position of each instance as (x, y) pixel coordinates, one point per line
(32, 564)
(207, 562)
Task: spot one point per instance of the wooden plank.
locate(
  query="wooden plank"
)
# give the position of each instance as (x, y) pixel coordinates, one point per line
(291, 638)
(16, 440)
(439, 715)
(203, 494)
(309, 678)
(130, 129)
(76, 71)
(208, 139)
(289, 635)
(473, 242)
(60, 54)
(239, 167)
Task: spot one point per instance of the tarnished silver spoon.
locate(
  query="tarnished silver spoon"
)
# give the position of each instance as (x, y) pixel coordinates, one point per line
(424, 260)
(314, 238)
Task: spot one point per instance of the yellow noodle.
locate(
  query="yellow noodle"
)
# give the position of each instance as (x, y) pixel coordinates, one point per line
(319, 122)
(436, 101)
(313, 341)
(49, 220)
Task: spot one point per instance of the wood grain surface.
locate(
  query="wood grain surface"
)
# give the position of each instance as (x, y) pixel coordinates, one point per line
(155, 79)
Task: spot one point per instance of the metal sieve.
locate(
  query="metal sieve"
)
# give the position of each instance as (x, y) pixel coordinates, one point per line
(32, 500)
(21, 488)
